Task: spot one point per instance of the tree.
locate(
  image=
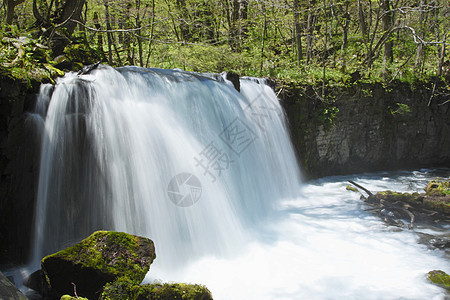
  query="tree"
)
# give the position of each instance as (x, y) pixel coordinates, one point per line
(10, 6)
(57, 19)
(297, 31)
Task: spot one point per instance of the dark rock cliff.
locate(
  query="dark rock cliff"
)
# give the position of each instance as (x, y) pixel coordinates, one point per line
(18, 168)
(367, 127)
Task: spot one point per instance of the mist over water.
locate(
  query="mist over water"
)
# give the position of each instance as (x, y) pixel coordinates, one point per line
(209, 174)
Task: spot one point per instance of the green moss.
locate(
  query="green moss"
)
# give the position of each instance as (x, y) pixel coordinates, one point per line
(415, 199)
(441, 204)
(124, 289)
(439, 277)
(350, 188)
(435, 198)
(99, 251)
(438, 188)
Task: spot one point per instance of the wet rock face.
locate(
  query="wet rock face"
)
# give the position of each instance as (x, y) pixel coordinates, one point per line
(19, 156)
(9, 291)
(366, 127)
(101, 258)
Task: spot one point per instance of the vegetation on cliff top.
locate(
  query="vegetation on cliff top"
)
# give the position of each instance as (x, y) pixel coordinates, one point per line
(330, 42)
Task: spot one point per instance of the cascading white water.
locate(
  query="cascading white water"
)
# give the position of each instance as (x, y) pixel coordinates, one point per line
(326, 244)
(118, 144)
(116, 140)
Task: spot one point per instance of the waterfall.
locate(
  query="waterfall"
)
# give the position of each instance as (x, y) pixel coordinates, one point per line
(179, 157)
(209, 174)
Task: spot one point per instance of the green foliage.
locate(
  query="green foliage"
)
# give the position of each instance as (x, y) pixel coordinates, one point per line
(401, 109)
(330, 114)
(26, 58)
(82, 54)
(257, 38)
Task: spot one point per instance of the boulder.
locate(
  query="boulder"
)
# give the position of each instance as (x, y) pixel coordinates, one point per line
(8, 290)
(34, 281)
(440, 278)
(123, 289)
(86, 267)
(234, 78)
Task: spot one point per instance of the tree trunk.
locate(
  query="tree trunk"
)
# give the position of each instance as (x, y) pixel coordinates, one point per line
(263, 35)
(419, 51)
(345, 36)
(138, 25)
(310, 30)
(387, 20)
(99, 35)
(9, 12)
(362, 22)
(10, 6)
(185, 30)
(234, 29)
(243, 15)
(108, 34)
(71, 9)
(442, 57)
(297, 31)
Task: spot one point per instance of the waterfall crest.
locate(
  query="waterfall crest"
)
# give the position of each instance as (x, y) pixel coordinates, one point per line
(179, 157)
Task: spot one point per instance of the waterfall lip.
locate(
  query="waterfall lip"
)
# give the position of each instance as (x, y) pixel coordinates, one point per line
(176, 75)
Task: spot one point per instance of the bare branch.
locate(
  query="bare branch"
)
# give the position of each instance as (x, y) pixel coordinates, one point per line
(116, 30)
(418, 39)
(361, 187)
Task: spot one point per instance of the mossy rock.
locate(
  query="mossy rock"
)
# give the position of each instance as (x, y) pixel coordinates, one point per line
(124, 289)
(414, 199)
(68, 297)
(440, 278)
(437, 202)
(101, 258)
(438, 187)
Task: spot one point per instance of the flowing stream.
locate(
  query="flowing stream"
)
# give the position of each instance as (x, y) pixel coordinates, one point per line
(326, 244)
(209, 174)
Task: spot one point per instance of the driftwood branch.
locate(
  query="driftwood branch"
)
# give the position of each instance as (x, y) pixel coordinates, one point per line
(75, 290)
(361, 187)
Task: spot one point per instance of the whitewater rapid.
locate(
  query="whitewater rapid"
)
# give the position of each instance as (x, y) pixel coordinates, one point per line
(326, 244)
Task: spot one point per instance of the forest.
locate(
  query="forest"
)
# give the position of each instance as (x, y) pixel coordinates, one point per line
(310, 41)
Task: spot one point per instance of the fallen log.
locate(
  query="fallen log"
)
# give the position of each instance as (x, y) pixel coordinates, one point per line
(430, 207)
